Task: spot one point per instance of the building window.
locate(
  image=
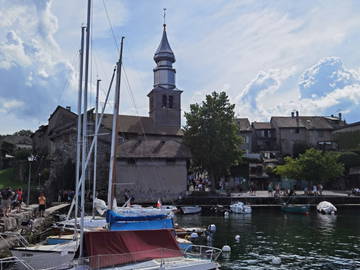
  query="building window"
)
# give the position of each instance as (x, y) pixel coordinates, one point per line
(164, 101)
(131, 161)
(151, 103)
(266, 133)
(170, 161)
(171, 101)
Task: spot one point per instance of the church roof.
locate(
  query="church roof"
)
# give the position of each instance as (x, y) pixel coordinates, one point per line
(164, 51)
(244, 124)
(153, 149)
(308, 122)
(139, 125)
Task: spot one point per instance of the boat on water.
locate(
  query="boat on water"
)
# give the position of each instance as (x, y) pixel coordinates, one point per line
(155, 249)
(295, 209)
(326, 208)
(190, 209)
(240, 208)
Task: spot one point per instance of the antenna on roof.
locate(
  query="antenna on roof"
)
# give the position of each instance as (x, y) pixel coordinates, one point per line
(164, 15)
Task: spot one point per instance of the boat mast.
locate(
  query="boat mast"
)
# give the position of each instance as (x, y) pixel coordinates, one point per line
(78, 144)
(114, 140)
(95, 147)
(83, 173)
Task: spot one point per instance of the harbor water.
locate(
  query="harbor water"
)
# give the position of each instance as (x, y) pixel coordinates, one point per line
(314, 241)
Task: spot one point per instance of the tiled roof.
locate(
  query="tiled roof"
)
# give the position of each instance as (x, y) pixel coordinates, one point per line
(308, 122)
(261, 125)
(244, 124)
(139, 125)
(153, 149)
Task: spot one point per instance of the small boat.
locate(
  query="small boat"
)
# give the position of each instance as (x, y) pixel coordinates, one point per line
(295, 209)
(42, 256)
(326, 208)
(240, 208)
(191, 209)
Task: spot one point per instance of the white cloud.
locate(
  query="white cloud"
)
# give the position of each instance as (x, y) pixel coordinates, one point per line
(326, 88)
(33, 74)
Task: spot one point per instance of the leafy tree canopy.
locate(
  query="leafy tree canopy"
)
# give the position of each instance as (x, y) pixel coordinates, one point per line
(313, 166)
(213, 135)
(23, 132)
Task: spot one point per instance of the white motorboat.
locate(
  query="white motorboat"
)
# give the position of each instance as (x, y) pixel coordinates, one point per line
(326, 208)
(240, 208)
(45, 256)
(191, 209)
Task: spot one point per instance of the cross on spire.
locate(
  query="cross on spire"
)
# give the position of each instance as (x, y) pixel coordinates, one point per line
(164, 15)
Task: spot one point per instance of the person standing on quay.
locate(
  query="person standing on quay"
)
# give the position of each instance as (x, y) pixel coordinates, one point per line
(42, 203)
(19, 199)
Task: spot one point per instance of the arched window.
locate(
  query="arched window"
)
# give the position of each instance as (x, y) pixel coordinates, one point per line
(171, 101)
(164, 101)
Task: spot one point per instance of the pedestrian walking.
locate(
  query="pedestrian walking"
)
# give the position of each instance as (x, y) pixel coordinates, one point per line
(19, 199)
(314, 190)
(320, 189)
(270, 189)
(42, 204)
(6, 201)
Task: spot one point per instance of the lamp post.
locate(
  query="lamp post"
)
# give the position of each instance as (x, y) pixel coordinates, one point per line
(31, 158)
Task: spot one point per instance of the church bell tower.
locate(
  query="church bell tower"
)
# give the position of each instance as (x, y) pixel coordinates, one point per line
(165, 98)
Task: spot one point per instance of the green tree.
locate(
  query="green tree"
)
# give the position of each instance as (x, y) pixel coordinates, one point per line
(23, 132)
(313, 166)
(213, 135)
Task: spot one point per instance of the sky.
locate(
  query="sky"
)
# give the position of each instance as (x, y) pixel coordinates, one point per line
(271, 57)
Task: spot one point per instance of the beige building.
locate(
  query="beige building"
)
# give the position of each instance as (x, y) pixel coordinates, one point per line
(151, 159)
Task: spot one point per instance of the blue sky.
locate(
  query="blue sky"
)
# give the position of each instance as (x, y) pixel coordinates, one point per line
(271, 57)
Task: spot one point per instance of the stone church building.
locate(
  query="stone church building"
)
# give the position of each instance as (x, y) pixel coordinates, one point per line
(151, 157)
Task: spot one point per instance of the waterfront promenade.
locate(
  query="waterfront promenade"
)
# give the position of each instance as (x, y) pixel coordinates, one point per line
(264, 198)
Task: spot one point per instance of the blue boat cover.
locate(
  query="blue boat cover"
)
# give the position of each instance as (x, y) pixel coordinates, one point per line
(112, 217)
(142, 225)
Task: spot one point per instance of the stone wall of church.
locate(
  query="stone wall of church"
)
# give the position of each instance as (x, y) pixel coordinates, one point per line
(149, 180)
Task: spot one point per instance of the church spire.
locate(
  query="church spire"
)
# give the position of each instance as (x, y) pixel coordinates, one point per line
(164, 73)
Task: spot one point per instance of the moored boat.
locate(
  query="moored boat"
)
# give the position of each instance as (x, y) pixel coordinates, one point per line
(240, 208)
(326, 208)
(191, 209)
(295, 209)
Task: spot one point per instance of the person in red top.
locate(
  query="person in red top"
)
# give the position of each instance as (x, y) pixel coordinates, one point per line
(19, 199)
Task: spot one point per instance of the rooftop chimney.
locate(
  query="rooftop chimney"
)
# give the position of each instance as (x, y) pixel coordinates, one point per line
(292, 114)
(68, 108)
(340, 115)
(297, 113)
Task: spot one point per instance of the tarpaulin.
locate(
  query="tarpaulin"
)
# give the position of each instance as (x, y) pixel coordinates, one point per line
(111, 217)
(108, 248)
(143, 225)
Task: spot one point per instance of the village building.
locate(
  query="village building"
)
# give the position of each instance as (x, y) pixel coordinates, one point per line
(151, 160)
(296, 133)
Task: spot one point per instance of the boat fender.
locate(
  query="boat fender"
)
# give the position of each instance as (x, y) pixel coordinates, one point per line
(212, 228)
(276, 260)
(226, 214)
(208, 238)
(226, 248)
(194, 235)
(237, 238)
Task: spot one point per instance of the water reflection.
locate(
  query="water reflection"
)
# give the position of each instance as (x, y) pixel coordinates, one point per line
(326, 223)
(302, 242)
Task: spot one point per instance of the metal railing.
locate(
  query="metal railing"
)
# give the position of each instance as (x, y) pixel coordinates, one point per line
(16, 237)
(6, 262)
(202, 252)
(160, 258)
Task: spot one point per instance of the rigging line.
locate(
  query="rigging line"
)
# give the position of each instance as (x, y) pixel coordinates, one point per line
(111, 27)
(67, 82)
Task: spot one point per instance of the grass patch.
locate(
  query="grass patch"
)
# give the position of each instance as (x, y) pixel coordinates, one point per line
(7, 179)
